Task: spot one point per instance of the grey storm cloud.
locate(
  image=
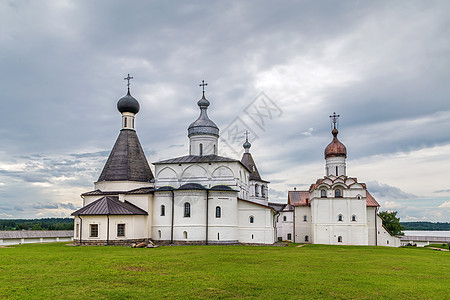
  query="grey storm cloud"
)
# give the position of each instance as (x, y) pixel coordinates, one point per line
(386, 191)
(382, 65)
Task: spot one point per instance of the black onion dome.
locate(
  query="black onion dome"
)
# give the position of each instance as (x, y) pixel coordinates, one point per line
(128, 104)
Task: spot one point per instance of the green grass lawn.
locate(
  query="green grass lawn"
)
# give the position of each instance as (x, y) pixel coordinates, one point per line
(313, 271)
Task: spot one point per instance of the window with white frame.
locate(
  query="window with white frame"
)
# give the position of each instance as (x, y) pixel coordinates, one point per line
(120, 229)
(218, 212)
(93, 232)
(187, 210)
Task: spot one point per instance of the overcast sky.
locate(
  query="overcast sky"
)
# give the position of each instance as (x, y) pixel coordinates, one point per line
(276, 68)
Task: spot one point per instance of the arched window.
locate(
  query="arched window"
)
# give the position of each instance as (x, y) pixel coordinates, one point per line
(256, 190)
(132, 123)
(163, 210)
(284, 218)
(159, 233)
(323, 194)
(251, 219)
(125, 122)
(201, 149)
(218, 236)
(185, 235)
(187, 210)
(358, 197)
(353, 218)
(306, 238)
(214, 150)
(340, 218)
(263, 190)
(337, 171)
(337, 193)
(218, 212)
(305, 218)
(339, 239)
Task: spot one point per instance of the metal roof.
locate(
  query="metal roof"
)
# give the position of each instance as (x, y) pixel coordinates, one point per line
(109, 205)
(144, 190)
(196, 159)
(370, 200)
(437, 239)
(298, 198)
(249, 163)
(127, 160)
(277, 206)
(22, 234)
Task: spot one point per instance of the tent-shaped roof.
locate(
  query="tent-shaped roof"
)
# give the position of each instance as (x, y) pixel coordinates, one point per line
(109, 205)
(127, 160)
(249, 163)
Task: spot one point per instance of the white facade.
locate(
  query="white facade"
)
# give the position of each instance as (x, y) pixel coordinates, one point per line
(200, 198)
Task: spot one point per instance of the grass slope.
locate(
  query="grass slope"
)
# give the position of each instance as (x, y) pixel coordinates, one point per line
(313, 271)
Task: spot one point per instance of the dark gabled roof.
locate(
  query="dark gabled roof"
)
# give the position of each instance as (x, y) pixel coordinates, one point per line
(249, 163)
(127, 160)
(196, 159)
(222, 187)
(144, 190)
(109, 205)
(192, 186)
(277, 206)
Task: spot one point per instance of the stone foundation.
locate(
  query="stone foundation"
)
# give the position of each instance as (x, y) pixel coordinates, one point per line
(110, 243)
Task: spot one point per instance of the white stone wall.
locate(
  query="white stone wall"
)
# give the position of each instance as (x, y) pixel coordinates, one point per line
(262, 230)
(303, 228)
(285, 226)
(384, 237)
(107, 186)
(136, 227)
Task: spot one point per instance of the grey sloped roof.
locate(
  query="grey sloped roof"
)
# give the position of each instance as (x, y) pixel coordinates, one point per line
(277, 206)
(192, 186)
(249, 163)
(109, 205)
(144, 190)
(196, 159)
(22, 234)
(222, 187)
(127, 160)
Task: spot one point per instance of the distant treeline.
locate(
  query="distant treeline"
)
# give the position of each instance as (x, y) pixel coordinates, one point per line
(425, 226)
(37, 224)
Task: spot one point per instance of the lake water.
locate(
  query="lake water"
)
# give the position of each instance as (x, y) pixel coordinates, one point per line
(426, 233)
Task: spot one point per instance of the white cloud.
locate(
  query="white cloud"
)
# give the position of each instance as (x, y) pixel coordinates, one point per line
(445, 204)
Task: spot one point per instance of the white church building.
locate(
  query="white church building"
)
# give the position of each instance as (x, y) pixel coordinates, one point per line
(337, 209)
(198, 198)
(204, 198)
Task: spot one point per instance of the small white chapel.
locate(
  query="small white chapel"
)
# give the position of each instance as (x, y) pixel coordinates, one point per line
(336, 210)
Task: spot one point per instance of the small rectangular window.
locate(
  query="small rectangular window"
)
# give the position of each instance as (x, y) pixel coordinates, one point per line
(77, 231)
(120, 229)
(94, 230)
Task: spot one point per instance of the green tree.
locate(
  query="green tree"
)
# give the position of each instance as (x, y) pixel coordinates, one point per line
(391, 222)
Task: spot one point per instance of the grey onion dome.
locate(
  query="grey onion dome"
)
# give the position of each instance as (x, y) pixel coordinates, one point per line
(128, 104)
(247, 145)
(203, 125)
